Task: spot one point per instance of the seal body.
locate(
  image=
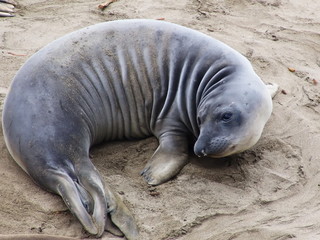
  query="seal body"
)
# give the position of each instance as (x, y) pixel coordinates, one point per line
(124, 80)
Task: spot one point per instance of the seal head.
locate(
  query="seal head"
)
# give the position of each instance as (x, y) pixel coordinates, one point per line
(232, 116)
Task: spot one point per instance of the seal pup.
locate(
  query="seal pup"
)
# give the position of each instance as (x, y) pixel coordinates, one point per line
(128, 79)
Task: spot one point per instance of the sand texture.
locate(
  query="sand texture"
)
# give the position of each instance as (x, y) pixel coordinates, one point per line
(271, 191)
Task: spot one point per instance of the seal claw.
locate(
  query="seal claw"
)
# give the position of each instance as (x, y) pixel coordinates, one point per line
(147, 175)
(143, 172)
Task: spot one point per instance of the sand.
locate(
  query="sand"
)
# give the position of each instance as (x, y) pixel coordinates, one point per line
(268, 192)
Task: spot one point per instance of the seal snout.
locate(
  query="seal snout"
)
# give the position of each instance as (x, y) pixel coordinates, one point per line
(212, 148)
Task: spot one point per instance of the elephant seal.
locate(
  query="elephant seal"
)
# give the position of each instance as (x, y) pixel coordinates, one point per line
(128, 79)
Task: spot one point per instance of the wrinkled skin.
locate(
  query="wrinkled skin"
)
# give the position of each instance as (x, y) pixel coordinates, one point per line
(123, 80)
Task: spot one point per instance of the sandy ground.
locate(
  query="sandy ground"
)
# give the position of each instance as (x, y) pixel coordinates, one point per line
(269, 192)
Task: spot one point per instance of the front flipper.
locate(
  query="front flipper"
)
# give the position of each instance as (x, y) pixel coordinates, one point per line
(167, 161)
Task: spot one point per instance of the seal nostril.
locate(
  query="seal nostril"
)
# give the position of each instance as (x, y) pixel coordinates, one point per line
(203, 153)
(200, 152)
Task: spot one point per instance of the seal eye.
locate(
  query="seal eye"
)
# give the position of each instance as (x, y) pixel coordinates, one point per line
(226, 117)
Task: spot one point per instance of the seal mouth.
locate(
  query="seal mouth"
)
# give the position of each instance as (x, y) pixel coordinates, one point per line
(229, 151)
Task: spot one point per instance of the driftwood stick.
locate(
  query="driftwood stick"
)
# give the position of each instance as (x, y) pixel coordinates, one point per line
(106, 4)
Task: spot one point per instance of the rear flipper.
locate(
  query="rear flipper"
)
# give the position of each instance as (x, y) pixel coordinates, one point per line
(93, 203)
(121, 217)
(79, 206)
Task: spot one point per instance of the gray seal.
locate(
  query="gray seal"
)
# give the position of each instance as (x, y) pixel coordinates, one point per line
(128, 79)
